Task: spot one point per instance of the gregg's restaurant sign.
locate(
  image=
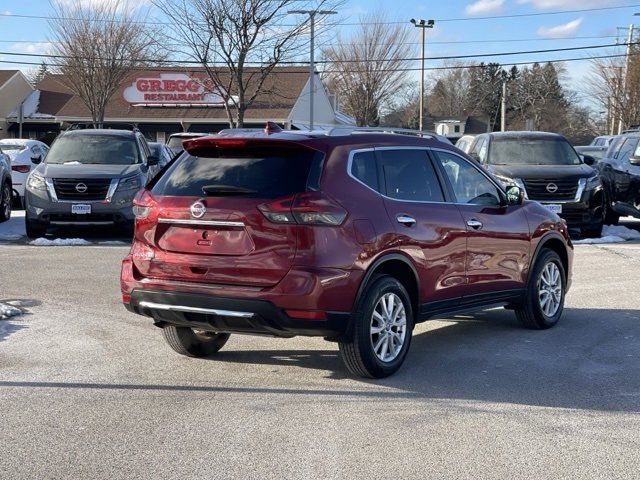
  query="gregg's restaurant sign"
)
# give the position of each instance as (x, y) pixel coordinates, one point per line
(172, 89)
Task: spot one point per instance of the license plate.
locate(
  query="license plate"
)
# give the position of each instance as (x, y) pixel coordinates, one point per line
(81, 209)
(555, 208)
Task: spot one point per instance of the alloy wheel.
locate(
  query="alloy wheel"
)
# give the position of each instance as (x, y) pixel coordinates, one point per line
(550, 289)
(388, 327)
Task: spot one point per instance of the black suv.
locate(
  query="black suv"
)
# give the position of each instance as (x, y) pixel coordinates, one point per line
(620, 172)
(89, 178)
(550, 171)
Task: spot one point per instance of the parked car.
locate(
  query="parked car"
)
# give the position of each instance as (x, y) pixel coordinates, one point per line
(465, 142)
(6, 187)
(361, 237)
(602, 141)
(175, 140)
(162, 152)
(88, 178)
(549, 170)
(597, 153)
(21, 151)
(620, 172)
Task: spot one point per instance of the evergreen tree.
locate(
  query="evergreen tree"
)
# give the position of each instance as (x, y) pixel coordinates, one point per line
(41, 73)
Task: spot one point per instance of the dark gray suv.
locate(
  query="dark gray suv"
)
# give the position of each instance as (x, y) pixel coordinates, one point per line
(89, 178)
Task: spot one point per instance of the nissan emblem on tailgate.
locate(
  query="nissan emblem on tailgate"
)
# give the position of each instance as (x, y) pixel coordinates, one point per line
(198, 209)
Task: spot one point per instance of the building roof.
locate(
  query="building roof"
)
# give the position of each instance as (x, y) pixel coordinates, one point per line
(5, 75)
(280, 91)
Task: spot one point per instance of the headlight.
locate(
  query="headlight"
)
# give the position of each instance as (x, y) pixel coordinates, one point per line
(131, 183)
(36, 182)
(594, 181)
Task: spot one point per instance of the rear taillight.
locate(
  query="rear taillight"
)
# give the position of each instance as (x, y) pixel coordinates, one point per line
(310, 208)
(21, 168)
(142, 204)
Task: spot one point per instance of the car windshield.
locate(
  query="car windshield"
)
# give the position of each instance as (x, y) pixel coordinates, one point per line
(532, 151)
(94, 149)
(12, 147)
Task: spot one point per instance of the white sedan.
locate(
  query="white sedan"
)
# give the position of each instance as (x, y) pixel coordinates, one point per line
(21, 152)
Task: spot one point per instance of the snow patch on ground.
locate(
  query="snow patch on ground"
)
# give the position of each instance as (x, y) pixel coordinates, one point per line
(58, 242)
(612, 234)
(7, 311)
(13, 229)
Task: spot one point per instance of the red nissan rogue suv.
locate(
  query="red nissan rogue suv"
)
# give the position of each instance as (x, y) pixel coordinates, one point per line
(354, 238)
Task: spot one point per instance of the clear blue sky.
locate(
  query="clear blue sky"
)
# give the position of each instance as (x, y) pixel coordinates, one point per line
(537, 32)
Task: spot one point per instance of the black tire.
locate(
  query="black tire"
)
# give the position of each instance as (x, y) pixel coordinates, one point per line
(531, 313)
(610, 217)
(358, 353)
(6, 200)
(34, 229)
(194, 344)
(593, 231)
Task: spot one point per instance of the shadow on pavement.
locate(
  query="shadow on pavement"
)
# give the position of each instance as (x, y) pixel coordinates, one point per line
(589, 361)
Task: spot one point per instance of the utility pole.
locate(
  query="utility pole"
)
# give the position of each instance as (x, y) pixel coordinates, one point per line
(312, 66)
(624, 78)
(423, 24)
(503, 108)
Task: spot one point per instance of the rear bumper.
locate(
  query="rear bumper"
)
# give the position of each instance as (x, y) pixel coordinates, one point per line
(231, 315)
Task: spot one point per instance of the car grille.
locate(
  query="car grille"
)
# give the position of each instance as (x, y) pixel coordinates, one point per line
(97, 188)
(537, 189)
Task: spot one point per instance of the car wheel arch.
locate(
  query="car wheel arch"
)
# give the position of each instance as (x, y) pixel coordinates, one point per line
(553, 241)
(398, 266)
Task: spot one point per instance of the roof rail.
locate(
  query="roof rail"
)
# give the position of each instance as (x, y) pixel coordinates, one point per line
(341, 131)
(107, 125)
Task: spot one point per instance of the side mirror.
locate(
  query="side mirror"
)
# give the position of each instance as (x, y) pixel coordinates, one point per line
(635, 161)
(589, 160)
(152, 160)
(36, 159)
(515, 195)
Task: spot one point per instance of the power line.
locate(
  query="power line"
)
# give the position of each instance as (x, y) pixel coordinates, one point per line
(174, 68)
(454, 19)
(451, 42)
(449, 57)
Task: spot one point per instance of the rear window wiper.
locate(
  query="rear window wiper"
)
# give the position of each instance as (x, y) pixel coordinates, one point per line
(221, 190)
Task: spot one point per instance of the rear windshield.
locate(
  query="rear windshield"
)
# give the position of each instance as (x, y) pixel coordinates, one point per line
(532, 151)
(94, 149)
(271, 176)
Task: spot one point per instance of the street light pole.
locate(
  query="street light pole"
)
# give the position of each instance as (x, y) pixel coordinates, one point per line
(312, 67)
(423, 24)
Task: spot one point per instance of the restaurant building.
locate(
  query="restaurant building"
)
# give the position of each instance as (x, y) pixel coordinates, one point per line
(164, 102)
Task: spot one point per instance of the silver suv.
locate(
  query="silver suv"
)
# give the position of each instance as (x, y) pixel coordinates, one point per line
(89, 178)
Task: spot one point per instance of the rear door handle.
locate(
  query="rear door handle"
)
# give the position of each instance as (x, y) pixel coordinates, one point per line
(406, 220)
(475, 224)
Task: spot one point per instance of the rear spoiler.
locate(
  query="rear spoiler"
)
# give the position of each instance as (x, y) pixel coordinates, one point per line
(215, 146)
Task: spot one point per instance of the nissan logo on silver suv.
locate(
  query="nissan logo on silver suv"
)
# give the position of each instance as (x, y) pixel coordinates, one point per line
(552, 188)
(81, 188)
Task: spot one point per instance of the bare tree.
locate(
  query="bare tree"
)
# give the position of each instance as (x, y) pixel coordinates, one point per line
(99, 45)
(369, 67)
(605, 86)
(451, 90)
(227, 37)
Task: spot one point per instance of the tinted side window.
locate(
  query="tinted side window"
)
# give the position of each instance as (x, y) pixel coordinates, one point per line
(409, 175)
(627, 149)
(475, 150)
(614, 147)
(469, 185)
(363, 167)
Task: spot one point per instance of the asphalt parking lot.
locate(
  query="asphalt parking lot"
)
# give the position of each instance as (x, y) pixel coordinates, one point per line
(88, 390)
